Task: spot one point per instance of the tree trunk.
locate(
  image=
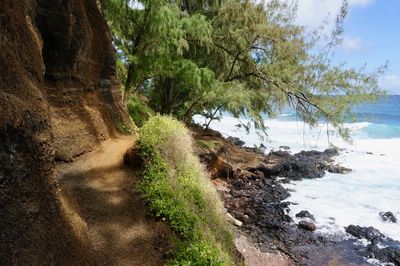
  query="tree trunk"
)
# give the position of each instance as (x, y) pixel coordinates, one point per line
(128, 83)
(166, 105)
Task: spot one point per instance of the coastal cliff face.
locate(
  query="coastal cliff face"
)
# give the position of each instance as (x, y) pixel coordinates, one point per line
(59, 98)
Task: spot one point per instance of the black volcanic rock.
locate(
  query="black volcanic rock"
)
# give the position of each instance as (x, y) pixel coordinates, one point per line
(388, 217)
(303, 165)
(238, 142)
(305, 214)
(369, 233)
(381, 247)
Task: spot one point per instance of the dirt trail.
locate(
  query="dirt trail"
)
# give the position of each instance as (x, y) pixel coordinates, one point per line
(105, 196)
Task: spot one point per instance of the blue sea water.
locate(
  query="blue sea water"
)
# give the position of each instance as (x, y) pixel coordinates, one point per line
(337, 200)
(383, 117)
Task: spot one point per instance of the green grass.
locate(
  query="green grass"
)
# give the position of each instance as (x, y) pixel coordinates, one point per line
(176, 189)
(139, 111)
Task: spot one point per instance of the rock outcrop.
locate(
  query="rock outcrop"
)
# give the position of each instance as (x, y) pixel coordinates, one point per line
(58, 99)
(379, 247)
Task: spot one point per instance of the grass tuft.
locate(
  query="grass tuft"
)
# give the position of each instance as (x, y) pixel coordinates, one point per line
(176, 189)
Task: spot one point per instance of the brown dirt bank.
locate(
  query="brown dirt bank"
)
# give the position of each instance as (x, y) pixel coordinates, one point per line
(58, 99)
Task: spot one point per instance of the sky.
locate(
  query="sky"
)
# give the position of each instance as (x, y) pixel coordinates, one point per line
(372, 34)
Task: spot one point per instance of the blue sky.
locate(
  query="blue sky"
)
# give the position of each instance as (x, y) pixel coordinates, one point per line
(372, 33)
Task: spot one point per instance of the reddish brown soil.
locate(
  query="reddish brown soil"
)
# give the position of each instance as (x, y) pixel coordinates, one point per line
(59, 97)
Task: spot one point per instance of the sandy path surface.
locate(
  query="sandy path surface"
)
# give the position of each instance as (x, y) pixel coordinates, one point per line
(104, 194)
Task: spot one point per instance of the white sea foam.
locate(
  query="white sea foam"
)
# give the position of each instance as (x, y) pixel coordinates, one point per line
(337, 200)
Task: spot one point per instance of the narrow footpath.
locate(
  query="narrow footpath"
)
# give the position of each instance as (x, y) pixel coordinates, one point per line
(104, 194)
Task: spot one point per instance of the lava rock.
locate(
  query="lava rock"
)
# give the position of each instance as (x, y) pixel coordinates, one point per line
(238, 142)
(388, 217)
(306, 225)
(368, 233)
(305, 214)
(381, 247)
(337, 169)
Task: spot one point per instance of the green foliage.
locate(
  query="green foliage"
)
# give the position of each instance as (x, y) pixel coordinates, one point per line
(177, 190)
(198, 253)
(139, 111)
(242, 57)
(124, 129)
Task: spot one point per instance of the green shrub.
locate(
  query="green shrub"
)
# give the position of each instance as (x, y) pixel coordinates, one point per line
(139, 111)
(176, 189)
(124, 129)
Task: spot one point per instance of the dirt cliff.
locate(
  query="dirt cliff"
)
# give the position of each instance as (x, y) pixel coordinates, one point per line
(59, 99)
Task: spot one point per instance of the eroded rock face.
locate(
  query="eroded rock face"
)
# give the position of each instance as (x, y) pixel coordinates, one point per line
(55, 72)
(82, 91)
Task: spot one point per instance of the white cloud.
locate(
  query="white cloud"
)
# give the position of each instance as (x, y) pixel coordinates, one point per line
(391, 83)
(312, 13)
(352, 44)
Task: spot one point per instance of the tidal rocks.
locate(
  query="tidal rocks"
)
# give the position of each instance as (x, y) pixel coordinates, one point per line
(388, 217)
(307, 225)
(305, 214)
(305, 164)
(255, 195)
(238, 142)
(369, 233)
(381, 247)
(337, 169)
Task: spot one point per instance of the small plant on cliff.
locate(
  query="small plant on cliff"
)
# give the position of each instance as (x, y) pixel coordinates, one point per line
(139, 111)
(176, 189)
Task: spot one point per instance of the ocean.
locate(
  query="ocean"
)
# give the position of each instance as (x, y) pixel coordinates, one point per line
(338, 200)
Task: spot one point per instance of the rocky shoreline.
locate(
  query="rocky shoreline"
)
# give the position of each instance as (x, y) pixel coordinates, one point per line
(250, 184)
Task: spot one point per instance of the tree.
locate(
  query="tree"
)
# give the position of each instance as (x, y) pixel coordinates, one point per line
(242, 57)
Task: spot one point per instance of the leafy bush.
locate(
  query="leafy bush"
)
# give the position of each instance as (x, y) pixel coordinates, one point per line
(124, 129)
(176, 189)
(139, 111)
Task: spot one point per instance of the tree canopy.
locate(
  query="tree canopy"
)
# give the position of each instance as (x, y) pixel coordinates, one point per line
(239, 56)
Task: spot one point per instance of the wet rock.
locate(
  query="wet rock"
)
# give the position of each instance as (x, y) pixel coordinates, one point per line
(337, 169)
(381, 247)
(331, 152)
(305, 214)
(384, 253)
(238, 142)
(368, 233)
(303, 165)
(388, 217)
(284, 147)
(306, 225)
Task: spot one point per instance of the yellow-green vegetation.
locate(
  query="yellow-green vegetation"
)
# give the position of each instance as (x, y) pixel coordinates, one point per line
(208, 145)
(139, 111)
(177, 190)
